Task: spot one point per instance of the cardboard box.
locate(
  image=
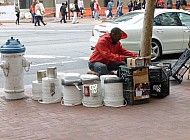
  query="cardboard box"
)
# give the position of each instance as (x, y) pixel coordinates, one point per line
(135, 62)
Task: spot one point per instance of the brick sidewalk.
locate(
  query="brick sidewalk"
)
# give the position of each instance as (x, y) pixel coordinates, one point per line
(161, 119)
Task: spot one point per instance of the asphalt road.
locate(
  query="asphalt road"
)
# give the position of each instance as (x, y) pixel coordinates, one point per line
(65, 46)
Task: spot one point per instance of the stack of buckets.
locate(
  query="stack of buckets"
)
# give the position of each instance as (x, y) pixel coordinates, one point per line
(75, 89)
(47, 89)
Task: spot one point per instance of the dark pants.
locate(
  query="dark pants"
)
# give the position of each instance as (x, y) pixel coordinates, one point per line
(103, 69)
(18, 17)
(110, 14)
(38, 19)
(33, 17)
(63, 18)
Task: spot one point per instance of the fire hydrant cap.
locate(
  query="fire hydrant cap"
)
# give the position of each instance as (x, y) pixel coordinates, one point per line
(12, 46)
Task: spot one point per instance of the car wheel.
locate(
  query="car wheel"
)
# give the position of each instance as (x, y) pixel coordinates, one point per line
(156, 50)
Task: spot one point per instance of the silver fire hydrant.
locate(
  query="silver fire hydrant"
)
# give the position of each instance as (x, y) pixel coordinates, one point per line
(13, 64)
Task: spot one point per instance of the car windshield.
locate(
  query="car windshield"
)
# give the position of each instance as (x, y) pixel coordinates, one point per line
(131, 17)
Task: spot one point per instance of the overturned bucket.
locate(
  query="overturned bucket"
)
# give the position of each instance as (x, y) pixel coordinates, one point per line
(92, 96)
(72, 89)
(113, 92)
(102, 78)
(51, 92)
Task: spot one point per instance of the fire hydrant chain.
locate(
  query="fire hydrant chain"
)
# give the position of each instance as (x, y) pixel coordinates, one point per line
(28, 68)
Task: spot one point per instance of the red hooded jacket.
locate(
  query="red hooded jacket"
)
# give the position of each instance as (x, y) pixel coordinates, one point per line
(106, 52)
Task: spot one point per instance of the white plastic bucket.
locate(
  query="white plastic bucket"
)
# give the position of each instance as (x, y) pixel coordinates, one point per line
(60, 76)
(91, 91)
(36, 90)
(102, 78)
(72, 89)
(51, 90)
(113, 88)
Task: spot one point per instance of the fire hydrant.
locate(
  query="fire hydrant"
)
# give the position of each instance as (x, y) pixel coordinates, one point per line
(13, 64)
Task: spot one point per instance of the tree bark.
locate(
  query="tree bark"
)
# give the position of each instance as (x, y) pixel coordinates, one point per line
(146, 37)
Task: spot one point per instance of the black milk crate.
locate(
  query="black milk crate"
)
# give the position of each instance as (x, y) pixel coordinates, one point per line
(134, 97)
(125, 72)
(158, 73)
(181, 66)
(136, 87)
(160, 89)
(166, 67)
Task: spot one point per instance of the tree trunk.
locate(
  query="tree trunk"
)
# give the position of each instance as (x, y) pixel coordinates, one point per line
(146, 37)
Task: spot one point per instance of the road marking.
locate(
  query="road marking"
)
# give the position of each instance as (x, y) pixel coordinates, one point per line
(42, 64)
(13, 30)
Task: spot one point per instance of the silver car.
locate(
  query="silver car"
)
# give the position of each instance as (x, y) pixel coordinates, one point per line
(171, 31)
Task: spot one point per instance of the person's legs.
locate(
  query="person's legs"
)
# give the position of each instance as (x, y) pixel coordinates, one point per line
(92, 14)
(98, 67)
(115, 65)
(17, 18)
(63, 16)
(33, 17)
(74, 17)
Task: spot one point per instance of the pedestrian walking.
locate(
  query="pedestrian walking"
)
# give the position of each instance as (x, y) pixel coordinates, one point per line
(92, 7)
(97, 8)
(81, 7)
(139, 5)
(135, 7)
(39, 10)
(177, 4)
(63, 13)
(183, 4)
(75, 10)
(143, 4)
(130, 5)
(160, 4)
(17, 11)
(119, 9)
(32, 11)
(169, 4)
(66, 4)
(109, 7)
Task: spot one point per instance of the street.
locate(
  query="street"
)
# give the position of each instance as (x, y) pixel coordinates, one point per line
(65, 46)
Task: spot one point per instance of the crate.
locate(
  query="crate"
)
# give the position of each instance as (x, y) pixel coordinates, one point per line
(166, 67)
(136, 87)
(160, 89)
(134, 97)
(124, 72)
(181, 66)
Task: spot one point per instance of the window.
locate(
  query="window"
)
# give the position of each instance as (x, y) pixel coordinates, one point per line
(167, 19)
(185, 18)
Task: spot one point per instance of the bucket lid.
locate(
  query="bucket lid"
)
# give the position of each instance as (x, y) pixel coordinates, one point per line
(72, 82)
(112, 80)
(87, 77)
(12, 46)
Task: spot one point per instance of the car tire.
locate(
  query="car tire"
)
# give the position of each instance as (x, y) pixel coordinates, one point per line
(156, 51)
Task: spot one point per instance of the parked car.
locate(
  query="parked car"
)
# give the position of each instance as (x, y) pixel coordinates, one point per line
(171, 31)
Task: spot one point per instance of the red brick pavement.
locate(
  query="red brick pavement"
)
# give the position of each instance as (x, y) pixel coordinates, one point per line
(161, 119)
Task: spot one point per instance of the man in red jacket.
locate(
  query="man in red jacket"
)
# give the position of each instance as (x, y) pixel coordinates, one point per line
(109, 53)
